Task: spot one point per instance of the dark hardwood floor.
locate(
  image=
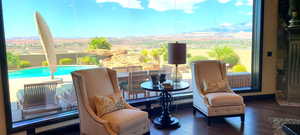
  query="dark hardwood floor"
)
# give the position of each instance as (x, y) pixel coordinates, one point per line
(258, 121)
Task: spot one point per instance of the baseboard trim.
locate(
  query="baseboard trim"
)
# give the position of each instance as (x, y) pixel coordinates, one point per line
(259, 97)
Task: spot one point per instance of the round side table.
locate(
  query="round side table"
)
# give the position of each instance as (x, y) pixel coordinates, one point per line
(165, 120)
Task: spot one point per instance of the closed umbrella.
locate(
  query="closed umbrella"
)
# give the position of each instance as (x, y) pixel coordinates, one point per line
(47, 42)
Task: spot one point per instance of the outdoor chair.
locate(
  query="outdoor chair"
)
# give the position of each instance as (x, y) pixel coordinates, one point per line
(167, 70)
(212, 95)
(120, 69)
(38, 98)
(134, 68)
(135, 80)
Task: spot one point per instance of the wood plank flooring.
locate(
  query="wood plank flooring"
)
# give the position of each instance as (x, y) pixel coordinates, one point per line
(257, 121)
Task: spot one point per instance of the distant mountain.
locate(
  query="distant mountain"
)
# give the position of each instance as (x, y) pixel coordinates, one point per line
(23, 38)
(226, 27)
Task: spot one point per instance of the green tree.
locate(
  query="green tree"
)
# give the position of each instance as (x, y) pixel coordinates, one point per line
(144, 56)
(156, 53)
(226, 54)
(164, 51)
(99, 43)
(12, 59)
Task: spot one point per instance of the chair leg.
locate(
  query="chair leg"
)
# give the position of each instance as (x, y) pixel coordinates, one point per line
(148, 133)
(148, 109)
(208, 121)
(242, 118)
(194, 110)
(22, 115)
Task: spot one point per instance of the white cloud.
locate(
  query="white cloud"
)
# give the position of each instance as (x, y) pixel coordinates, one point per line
(250, 2)
(226, 24)
(244, 2)
(124, 3)
(239, 3)
(223, 1)
(247, 13)
(163, 5)
(249, 25)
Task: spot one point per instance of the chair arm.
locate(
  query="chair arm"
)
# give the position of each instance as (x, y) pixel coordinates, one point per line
(128, 106)
(198, 95)
(91, 124)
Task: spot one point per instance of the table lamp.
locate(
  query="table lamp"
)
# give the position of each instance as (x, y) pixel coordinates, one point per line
(176, 55)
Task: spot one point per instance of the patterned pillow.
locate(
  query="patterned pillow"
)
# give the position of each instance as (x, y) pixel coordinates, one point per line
(107, 104)
(212, 86)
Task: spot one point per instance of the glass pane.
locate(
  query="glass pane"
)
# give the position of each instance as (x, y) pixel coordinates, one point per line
(130, 36)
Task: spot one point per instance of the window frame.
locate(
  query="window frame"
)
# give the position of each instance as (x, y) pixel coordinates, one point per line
(31, 124)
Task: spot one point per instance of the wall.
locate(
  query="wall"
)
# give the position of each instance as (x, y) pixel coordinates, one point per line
(2, 115)
(269, 63)
(270, 45)
(36, 59)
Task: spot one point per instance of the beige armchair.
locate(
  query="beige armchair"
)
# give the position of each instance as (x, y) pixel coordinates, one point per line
(217, 104)
(103, 82)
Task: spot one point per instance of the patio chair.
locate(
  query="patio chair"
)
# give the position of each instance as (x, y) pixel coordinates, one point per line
(124, 82)
(153, 72)
(103, 82)
(135, 68)
(212, 95)
(135, 79)
(167, 70)
(120, 69)
(38, 98)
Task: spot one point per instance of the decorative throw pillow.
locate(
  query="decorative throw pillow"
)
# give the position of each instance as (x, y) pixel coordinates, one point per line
(212, 86)
(107, 104)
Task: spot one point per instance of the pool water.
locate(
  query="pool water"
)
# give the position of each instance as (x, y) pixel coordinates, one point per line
(45, 71)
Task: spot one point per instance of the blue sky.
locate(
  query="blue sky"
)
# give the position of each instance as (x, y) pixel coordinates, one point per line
(120, 18)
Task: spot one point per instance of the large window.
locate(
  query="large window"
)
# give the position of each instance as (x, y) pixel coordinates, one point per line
(129, 36)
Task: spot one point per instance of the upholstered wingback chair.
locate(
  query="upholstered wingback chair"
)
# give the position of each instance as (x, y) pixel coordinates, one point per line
(103, 82)
(214, 104)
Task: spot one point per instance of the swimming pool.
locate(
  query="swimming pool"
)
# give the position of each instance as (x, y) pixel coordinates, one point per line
(45, 71)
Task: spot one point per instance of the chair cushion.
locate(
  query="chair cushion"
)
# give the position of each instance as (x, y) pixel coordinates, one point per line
(224, 99)
(124, 120)
(107, 104)
(215, 86)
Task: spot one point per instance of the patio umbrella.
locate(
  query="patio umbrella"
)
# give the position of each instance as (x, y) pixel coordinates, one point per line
(47, 42)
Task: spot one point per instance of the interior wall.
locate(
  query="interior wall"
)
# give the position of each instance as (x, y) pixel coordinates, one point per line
(2, 115)
(269, 45)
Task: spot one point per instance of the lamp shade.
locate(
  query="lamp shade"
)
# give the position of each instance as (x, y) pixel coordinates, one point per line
(177, 53)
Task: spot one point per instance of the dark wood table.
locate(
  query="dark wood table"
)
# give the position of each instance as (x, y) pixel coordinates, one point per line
(291, 129)
(165, 120)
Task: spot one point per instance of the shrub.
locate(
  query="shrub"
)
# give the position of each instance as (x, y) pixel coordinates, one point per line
(189, 55)
(224, 53)
(87, 60)
(24, 64)
(239, 68)
(144, 52)
(66, 61)
(196, 58)
(45, 63)
(12, 59)
(144, 59)
(99, 43)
